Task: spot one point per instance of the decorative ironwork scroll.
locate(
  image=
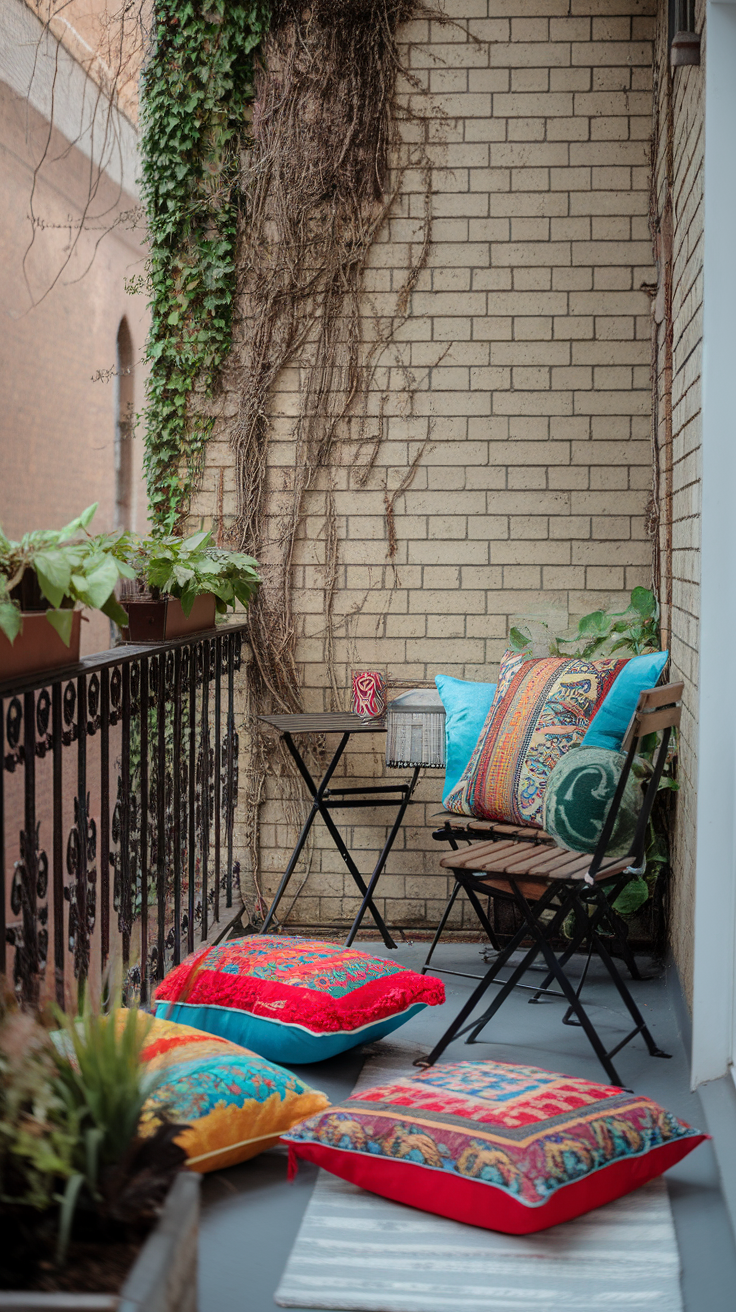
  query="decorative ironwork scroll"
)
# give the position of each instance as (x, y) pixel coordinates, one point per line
(118, 795)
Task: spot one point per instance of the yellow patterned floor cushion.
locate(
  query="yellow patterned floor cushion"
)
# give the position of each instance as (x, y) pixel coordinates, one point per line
(235, 1103)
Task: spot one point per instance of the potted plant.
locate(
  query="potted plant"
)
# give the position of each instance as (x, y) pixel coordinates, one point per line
(45, 580)
(181, 584)
(88, 1207)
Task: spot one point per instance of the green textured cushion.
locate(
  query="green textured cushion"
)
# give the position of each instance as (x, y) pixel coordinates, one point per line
(579, 793)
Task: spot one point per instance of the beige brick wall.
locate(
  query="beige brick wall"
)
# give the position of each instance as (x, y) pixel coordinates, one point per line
(678, 310)
(524, 364)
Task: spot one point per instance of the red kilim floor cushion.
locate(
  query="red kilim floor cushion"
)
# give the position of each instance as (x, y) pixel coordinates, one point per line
(293, 999)
(509, 1148)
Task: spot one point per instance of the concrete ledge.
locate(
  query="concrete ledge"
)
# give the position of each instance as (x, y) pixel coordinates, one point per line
(718, 1098)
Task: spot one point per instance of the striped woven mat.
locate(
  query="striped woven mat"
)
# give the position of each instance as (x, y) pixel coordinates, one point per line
(360, 1253)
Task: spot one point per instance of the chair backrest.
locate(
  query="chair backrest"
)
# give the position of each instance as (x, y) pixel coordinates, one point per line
(658, 711)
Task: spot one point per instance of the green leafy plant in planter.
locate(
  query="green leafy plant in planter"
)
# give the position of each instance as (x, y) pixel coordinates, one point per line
(187, 568)
(632, 632)
(103, 1084)
(56, 570)
(77, 1179)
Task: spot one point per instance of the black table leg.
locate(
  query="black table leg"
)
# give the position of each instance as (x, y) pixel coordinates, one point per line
(381, 862)
(307, 824)
(319, 807)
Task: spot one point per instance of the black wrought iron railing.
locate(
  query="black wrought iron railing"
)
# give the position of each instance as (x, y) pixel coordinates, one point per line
(118, 791)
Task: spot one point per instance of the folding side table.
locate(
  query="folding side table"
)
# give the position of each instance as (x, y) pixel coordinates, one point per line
(326, 799)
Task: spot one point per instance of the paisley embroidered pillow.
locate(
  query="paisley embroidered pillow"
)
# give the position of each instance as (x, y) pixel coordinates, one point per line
(509, 1148)
(541, 707)
(293, 999)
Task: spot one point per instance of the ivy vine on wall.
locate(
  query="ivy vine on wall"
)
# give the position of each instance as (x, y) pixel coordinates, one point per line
(195, 91)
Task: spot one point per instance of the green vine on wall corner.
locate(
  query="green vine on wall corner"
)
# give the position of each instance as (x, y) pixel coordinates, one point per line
(195, 91)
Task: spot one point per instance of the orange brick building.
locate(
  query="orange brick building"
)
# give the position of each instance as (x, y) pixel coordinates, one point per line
(71, 346)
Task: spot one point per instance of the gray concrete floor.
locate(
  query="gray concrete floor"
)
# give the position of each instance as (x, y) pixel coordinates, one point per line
(251, 1215)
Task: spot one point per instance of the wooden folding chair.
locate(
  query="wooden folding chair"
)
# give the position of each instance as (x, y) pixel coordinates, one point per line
(455, 829)
(549, 878)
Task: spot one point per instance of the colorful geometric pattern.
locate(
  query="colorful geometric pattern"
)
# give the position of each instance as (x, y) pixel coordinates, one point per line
(319, 986)
(541, 707)
(525, 1132)
(234, 1103)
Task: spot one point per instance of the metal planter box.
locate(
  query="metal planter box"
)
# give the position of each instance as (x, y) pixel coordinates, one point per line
(38, 648)
(163, 1277)
(164, 619)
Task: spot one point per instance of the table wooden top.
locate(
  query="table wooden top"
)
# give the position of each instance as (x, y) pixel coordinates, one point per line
(326, 722)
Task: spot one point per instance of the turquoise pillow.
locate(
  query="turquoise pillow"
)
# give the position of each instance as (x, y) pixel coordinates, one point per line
(466, 706)
(608, 726)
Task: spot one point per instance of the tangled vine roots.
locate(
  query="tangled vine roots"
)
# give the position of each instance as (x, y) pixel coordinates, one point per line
(324, 169)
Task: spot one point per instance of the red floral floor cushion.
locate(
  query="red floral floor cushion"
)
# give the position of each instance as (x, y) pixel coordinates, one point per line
(509, 1148)
(293, 1000)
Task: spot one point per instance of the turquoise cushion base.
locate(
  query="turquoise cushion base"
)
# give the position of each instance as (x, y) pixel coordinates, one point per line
(279, 1043)
(466, 705)
(608, 726)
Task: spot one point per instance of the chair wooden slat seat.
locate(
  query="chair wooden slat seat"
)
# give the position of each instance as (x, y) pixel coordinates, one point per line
(505, 859)
(552, 886)
(467, 826)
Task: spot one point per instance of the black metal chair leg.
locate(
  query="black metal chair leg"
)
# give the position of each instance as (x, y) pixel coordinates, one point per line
(577, 940)
(627, 999)
(585, 925)
(482, 917)
(567, 1019)
(621, 936)
(564, 983)
(532, 953)
(506, 989)
(468, 1007)
(583, 1017)
(440, 928)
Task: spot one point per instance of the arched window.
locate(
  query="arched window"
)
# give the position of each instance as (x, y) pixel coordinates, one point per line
(124, 428)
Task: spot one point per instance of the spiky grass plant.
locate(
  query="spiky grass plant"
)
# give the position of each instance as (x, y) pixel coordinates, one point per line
(103, 1084)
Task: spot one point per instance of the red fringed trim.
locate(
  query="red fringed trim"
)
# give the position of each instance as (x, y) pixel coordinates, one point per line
(285, 1004)
(293, 1166)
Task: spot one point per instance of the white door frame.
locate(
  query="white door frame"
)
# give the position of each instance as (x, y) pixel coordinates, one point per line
(714, 977)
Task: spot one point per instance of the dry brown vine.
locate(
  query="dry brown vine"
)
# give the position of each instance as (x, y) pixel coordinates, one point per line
(324, 169)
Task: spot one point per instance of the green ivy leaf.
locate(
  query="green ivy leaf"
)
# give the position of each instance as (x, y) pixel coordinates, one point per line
(519, 640)
(62, 621)
(645, 602)
(115, 612)
(633, 896)
(100, 582)
(11, 619)
(52, 569)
